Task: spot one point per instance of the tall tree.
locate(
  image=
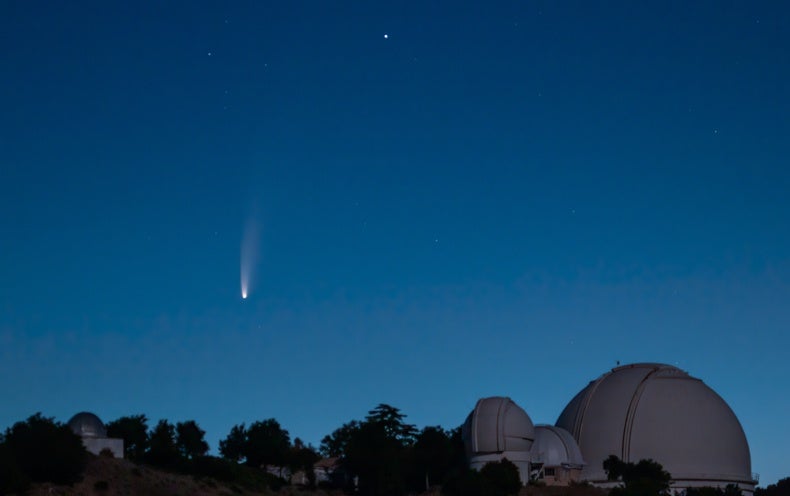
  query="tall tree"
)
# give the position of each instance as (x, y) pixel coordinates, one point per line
(233, 446)
(162, 449)
(303, 457)
(133, 430)
(377, 458)
(335, 444)
(432, 456)
(457, 450)
(267, 444)
(190, 440)
(391, 419)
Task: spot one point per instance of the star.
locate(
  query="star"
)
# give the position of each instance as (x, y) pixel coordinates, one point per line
(386, 36)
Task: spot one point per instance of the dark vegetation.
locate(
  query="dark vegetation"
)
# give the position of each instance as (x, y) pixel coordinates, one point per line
(645, 478)
(494, 479)
(648, 478)
(781, 488)
(730, 490)
(39, 450)
(387, 456)
(381, 455)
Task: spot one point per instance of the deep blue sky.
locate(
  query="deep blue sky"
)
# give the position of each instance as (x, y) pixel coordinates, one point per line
(493, 199)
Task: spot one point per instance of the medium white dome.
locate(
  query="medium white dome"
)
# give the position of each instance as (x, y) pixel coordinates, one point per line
(497, 425)
(496, 429)
(657, 411)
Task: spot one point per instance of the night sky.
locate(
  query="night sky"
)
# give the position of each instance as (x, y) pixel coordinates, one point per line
(447, 200)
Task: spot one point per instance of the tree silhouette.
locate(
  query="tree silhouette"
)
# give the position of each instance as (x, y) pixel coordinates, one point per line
(494, 479)
(134, 432)
(12, 479)
(380, 452)
(501, 478)
(645, 478)
(376, 457)
(335, 444)
(267, 444)
(303, 457)
(189, 440)
(391, 420)
(233, 446)
(466, 482)
(162, 450)
(432, 456)
(45, 450)
(781, 488)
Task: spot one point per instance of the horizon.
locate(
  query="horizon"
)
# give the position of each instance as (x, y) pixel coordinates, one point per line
(213, 439)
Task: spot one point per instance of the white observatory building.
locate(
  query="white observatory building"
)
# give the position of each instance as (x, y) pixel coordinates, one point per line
(498, 428)
(656, 411)
(635, 412)
(556, 458)
(94, 435)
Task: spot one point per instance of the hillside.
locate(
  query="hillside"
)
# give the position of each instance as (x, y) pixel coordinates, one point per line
(116, 477)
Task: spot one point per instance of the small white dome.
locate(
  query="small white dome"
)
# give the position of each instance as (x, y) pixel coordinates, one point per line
(555, 447)
(86, 424)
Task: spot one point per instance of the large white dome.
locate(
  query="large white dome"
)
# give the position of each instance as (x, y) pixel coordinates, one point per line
(657, 411)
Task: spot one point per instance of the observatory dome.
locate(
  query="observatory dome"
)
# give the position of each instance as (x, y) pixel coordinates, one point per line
(86, 424)
(554, 446)
(649, 410)
(498, 428)
(496, 425)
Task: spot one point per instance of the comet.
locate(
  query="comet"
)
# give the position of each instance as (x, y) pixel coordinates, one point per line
(249, 256)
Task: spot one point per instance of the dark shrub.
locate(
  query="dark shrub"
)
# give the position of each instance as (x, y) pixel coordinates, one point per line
(501, 478)
(12, 479)
(46, 451)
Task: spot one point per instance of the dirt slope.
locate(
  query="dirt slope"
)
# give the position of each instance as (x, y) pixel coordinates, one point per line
(113, 477)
